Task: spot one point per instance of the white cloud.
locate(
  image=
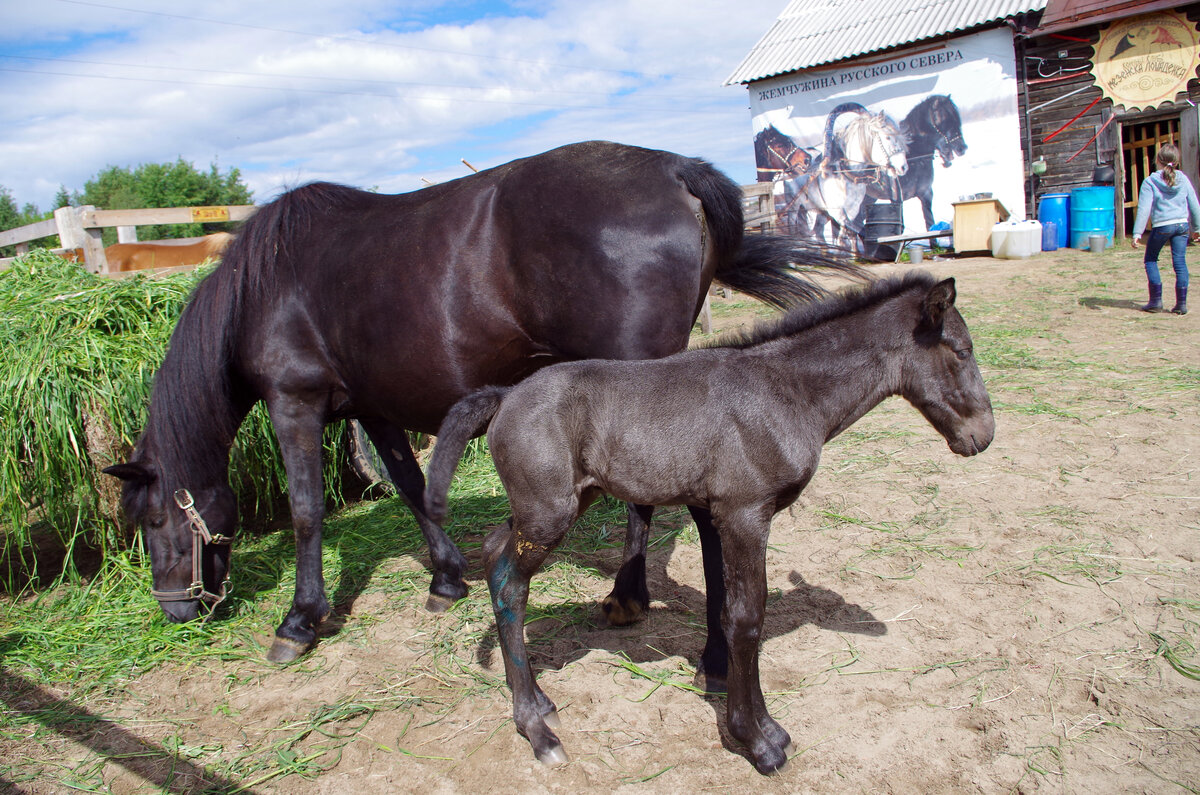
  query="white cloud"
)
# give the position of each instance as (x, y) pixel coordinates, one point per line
(365, 92)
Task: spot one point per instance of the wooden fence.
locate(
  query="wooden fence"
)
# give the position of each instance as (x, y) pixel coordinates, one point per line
(80, 228)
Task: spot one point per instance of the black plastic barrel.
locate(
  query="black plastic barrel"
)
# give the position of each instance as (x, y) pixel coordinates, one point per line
(884, 219)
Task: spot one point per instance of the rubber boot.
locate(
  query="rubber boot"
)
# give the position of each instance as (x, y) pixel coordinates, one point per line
(1155, 304)
(1180, 301)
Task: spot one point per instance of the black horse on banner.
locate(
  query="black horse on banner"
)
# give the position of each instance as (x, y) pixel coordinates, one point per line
(933, 128)
(338, 303)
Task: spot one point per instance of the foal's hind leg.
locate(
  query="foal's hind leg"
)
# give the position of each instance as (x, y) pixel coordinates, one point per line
(510, 560)
(630, 598)
(449, 564)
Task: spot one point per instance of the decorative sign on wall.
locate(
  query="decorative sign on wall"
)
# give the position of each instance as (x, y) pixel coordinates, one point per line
(887, 144)
(1144, 61)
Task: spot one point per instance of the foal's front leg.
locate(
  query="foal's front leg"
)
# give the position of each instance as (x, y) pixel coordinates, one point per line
(299, 428)
(510, 561)
(744, 548)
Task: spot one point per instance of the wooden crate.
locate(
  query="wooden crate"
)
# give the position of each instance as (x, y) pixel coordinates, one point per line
(973, 222)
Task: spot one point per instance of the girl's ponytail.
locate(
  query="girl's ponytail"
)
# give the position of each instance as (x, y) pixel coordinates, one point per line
(1168, 160)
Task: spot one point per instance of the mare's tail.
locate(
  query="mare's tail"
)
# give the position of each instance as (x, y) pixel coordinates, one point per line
(466, 419)
(776, 269)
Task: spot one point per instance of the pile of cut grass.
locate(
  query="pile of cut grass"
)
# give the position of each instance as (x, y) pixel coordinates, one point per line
(77, 357)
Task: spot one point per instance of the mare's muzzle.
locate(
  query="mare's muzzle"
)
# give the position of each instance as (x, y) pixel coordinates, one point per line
(184, 604)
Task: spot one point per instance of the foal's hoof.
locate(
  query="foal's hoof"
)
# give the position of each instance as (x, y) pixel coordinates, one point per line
(772, 765)
(553, 756)
(284, 650)
(621, 613)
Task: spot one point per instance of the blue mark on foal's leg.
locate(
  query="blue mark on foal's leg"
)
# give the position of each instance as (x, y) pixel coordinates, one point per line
(499, 580)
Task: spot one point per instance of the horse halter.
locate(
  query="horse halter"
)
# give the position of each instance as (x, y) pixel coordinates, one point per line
(201, 535)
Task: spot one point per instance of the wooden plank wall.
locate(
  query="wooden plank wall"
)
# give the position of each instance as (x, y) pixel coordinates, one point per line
(1054, 85)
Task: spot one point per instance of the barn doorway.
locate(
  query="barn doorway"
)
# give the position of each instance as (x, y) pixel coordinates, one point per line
(1140, 142)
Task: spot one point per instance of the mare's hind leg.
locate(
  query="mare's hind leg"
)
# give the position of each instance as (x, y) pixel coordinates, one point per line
(449, 564)
(299, 429)
(510, 558)
(630, 599)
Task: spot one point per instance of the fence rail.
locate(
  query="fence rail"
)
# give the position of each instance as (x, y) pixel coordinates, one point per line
(80, 227)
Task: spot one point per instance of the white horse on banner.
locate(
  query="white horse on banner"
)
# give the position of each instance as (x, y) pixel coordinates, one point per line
(869, 150)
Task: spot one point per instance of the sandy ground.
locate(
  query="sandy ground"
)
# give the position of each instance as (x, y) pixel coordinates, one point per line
(935, 624)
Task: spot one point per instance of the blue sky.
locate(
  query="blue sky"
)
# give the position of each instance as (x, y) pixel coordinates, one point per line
(376, 94)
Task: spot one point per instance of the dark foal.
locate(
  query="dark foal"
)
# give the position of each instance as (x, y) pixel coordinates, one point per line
(335, 303)
(734, 432)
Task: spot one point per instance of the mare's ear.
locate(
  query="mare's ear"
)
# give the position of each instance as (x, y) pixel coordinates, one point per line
(132, 472)
(937, 303)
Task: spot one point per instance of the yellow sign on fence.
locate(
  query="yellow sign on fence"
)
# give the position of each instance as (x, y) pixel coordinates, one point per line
(1143, 61)
(209, 215)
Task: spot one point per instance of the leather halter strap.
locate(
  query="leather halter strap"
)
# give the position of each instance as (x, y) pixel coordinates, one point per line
(201, 535)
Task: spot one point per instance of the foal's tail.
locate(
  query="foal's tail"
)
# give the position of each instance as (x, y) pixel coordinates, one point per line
(466, 419)
(776, 269)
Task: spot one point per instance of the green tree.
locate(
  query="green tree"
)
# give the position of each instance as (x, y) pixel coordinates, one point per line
(176, 184)
(11, 217)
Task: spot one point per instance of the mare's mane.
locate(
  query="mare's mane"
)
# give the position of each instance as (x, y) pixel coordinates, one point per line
(844, 302)
(196, 395)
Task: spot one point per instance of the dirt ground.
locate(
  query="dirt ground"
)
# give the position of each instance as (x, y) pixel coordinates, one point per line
(935, 624)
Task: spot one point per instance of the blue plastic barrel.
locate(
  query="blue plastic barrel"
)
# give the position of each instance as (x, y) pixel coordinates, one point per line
(1053, 207)
(1049, 236)
(1092, 213)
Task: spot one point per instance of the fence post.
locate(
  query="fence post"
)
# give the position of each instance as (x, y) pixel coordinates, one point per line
(72, 234)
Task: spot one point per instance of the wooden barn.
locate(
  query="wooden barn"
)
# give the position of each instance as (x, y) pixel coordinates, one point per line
(1039, 97)
(1079, 119)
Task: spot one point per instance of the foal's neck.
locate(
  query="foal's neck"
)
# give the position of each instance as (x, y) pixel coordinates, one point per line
(847, 366)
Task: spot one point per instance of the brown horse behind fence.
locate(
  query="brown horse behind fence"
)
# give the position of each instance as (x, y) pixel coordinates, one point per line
(140, 256)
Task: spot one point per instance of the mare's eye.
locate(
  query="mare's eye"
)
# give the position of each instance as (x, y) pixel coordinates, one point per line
(964, 354)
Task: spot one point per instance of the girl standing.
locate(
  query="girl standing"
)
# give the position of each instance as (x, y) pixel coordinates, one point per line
(1167, 199)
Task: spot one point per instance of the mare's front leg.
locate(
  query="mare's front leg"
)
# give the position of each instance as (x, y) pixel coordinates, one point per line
(630, 598)
(299, 426)
(744, 547)
(449, 564)
(510, 559)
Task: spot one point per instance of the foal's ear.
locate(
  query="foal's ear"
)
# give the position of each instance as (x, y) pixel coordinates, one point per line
(132, 472)
(937, 303)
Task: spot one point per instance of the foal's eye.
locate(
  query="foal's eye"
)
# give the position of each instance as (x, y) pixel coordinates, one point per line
(963, 355)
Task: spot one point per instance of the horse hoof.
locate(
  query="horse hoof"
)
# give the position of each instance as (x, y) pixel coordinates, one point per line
(553, 756)
(552, 721)
(771, 768)
(284, 650)
(621, 615)
(710, 684)
(436, 603)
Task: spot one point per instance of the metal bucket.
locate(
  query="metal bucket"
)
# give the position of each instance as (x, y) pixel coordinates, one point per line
(1097, 243)
(916, 254)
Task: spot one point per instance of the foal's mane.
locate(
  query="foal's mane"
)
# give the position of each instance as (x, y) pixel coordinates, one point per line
(840, 304)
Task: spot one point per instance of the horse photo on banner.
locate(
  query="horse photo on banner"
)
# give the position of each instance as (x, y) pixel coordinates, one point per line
(886, 145)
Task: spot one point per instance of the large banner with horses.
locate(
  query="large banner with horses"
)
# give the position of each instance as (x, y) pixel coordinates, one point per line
(889, 143)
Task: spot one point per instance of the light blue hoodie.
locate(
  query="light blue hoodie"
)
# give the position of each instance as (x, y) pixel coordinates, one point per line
(1161, 204)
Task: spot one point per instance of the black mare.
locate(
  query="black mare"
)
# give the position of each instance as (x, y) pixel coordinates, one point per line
(338, 303)
(933, 127)
(733, 432)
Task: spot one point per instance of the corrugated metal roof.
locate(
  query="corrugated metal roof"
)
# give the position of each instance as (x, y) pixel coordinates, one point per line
(810, 33)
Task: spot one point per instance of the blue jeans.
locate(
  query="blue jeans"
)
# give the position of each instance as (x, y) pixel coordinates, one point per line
(1178, 235)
